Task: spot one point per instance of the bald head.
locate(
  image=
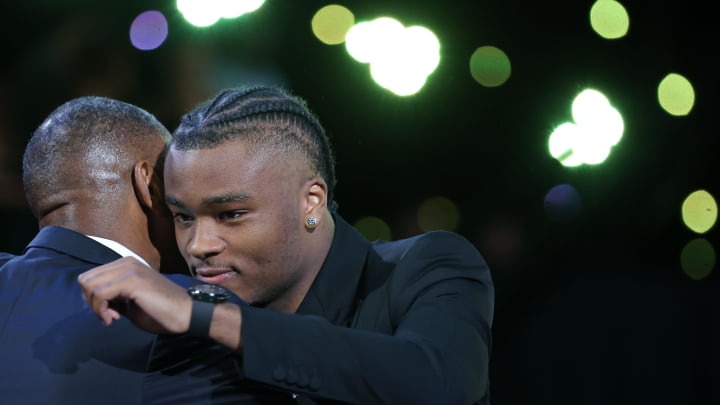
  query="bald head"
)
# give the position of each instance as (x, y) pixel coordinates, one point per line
(84, 153)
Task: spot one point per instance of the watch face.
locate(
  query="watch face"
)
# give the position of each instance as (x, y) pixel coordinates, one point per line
(208, 293)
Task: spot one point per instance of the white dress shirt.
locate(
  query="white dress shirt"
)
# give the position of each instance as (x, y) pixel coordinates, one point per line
(118, 248)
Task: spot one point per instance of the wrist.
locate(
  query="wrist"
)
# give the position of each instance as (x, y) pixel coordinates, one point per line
(226, 327)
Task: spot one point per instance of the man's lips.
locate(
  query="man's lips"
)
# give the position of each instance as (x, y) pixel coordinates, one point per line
(212, 275)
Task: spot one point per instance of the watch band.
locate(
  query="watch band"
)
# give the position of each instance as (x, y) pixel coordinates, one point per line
(200, 318)
(204, 296)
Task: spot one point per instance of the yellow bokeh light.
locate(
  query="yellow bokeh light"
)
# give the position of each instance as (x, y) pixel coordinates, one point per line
(331, 23)
(609, 19)
(490, 66)
(699, 211)
(676, 95)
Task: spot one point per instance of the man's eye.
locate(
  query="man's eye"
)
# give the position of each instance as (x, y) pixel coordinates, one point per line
(231, 215)
(181, 218)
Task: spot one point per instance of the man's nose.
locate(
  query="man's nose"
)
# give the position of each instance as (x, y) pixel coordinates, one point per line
(205, 241)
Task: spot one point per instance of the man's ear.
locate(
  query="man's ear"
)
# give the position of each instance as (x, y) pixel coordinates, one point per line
(315, 197)
(146, 186)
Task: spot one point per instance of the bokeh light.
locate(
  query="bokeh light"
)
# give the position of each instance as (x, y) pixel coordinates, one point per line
(597, 127)
(697, 259)
(400, 58)
(373, 228)
(438, 213)
(148, 30)
(562, 204)
(204, 13)
(331, 23)
(609, 19)
(676, 95)
(490, 66)
(235, 8)
(699, 211)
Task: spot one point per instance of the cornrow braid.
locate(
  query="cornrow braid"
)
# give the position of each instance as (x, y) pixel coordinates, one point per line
(260, 116)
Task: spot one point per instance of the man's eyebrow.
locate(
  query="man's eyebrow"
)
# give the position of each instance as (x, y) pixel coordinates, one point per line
(170, 200)
(212, 200)
(226, 198)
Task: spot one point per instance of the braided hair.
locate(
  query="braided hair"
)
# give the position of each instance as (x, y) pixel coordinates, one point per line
(260, 116)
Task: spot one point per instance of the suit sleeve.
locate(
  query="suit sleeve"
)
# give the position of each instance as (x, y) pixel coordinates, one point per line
(440, 296)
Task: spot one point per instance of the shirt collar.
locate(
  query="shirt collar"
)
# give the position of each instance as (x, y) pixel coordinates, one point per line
(118, 248)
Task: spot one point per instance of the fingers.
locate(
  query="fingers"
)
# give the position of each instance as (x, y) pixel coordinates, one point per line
(108, 315)
(126, 287)
(105, 284)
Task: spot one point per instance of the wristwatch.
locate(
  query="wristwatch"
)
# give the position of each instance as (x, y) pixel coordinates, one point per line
(204, 296)
(208, 293)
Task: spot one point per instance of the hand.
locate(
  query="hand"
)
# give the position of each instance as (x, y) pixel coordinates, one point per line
(129, 288)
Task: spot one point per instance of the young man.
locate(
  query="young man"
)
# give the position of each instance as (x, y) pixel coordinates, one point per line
(329, 316)
(91, 173)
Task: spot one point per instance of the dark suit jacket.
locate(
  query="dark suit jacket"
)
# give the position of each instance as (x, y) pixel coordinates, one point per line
(54, 350)
(4, 257)
(403, 322)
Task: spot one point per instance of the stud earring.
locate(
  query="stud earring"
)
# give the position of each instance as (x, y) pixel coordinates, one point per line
(311, 222)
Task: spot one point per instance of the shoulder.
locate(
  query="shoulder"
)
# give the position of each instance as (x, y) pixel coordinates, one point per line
(431, 257)
(182, 280)
(432, 264)
(429, 246)
(4, 257)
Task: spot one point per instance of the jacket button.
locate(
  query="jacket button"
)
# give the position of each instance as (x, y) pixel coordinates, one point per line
(292, 377)
(279, 374)
(314, 383)
(302, 380)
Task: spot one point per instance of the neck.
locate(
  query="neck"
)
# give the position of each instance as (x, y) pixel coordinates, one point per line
(318, 247)
(131, 230)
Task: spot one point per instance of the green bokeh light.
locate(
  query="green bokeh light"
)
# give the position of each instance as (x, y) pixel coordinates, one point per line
(676, 95)
(698, 259)
(609, 19)
(490, 66)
